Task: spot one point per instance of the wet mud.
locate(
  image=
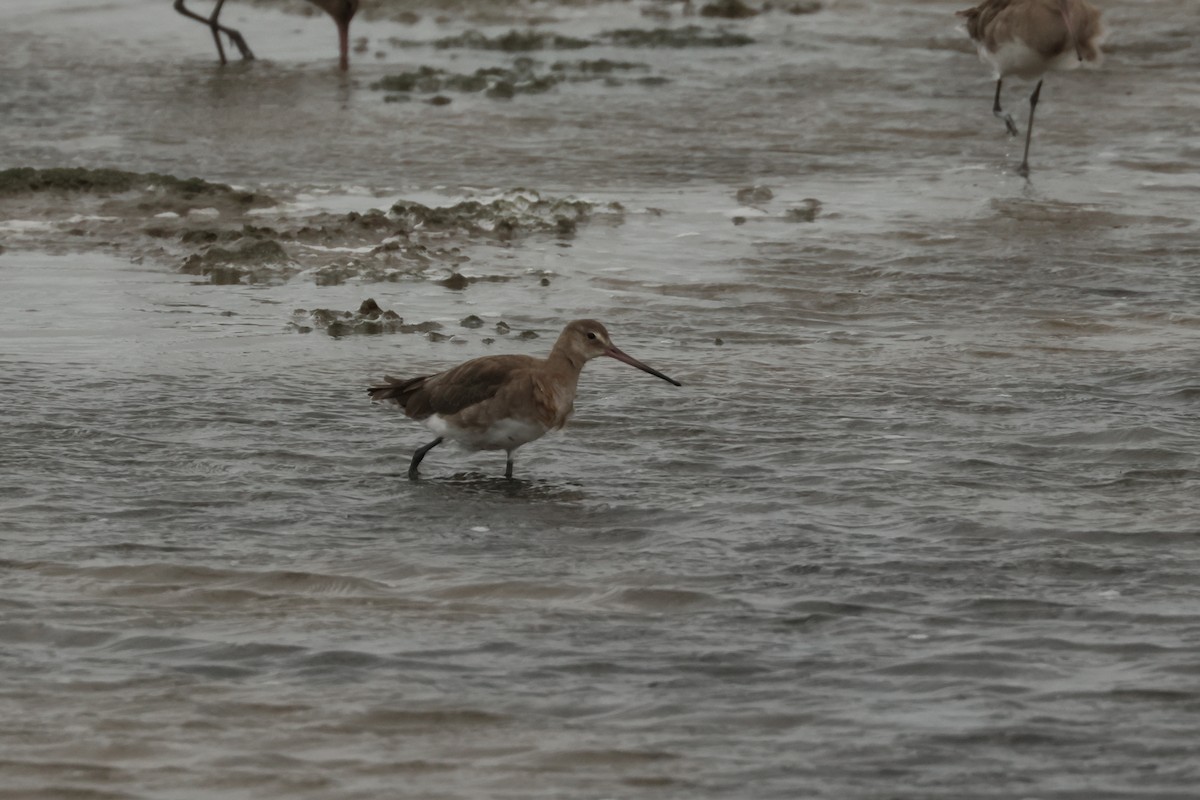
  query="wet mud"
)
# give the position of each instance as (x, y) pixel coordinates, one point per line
(760, 198)
(525, 76)
(369, 319)
(218, 233)
(728, 9)
(737, 9)
(164, 192)
(26, 192)
(676, 38)
(372, 320)
(518, 41)
(512, 42)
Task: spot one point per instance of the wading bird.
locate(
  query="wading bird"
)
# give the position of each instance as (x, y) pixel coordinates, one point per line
(1027, 38)
(342, 12)
(503, 402)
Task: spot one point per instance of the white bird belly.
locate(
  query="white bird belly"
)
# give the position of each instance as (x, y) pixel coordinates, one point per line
(503, 434)
(1016, 58)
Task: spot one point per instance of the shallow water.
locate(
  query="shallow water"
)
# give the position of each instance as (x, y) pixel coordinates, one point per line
(922, 521)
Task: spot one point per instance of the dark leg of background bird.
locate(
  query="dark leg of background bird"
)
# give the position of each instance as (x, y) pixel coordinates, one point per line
(343, 45)
(1033, 101)
(343, 25)
(342, 11)
(999, 112)
(508, 468)
(217, 29)
(420, 454)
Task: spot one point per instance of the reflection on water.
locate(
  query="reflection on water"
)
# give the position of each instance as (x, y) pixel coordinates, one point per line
(921, 519)
(513, 489)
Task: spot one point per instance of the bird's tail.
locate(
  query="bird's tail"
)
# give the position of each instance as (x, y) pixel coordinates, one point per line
(396, 390)
(971, 22)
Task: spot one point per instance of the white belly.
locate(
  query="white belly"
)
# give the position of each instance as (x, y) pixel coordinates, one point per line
(504, 434)
(1014, 58)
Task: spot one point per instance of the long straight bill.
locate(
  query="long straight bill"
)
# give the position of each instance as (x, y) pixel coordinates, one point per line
(621, 355)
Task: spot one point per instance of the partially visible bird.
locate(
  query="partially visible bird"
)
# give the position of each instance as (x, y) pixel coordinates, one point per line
(1027, 38)
(342, 12)
(503, 402)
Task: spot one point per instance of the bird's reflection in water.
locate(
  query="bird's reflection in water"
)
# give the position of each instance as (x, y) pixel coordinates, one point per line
(480, 483)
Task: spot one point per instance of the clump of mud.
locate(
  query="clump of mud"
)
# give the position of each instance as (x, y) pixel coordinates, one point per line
(687, 36)
(523, 77)
(106, 182)
(514, 215)
(738, 9)
(807, 210)
(496, 82)
(728, 9)
(527, 41)
(372, 320)
(89, 197)
(755, 195)
(512, 42)
(798, 7)
(258, 260)
(369, 320)
(597, 66)
(502, 329)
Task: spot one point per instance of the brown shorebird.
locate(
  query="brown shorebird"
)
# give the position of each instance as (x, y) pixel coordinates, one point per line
(342, 12)
(503, 402)
(1027, 38)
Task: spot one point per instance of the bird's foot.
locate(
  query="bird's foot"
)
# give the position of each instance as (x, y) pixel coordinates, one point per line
(1009, 122)
(236, 39)
(1023, 170)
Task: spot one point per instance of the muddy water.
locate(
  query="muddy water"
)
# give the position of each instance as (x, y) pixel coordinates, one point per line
(922, 521)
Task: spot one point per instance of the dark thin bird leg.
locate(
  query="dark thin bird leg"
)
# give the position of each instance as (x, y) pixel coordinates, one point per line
(999, 112)
(217, 29)
(1023, 170)
(420, 454)
(343, 26)
(508, 468)
(233, 35)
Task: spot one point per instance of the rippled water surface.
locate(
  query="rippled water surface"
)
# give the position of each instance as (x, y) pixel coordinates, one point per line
(921, 522)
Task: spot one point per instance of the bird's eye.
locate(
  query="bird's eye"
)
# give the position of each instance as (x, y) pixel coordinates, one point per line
(591, 335)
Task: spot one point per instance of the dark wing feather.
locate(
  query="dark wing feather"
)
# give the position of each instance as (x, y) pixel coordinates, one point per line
(455, 389)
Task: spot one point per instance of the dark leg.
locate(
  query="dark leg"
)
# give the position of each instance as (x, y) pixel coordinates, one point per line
(217, 29)
(343, 45)
(999, 112)
(214, 25)
(216, 32)
(508, 468)
(420, 454)
(1033, 100)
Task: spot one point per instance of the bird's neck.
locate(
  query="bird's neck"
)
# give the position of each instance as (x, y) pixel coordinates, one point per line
(565, 365)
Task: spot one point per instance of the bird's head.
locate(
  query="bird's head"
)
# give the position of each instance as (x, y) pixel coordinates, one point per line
(586, 339)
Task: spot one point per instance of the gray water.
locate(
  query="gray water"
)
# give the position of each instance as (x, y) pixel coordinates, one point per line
(921, 522)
